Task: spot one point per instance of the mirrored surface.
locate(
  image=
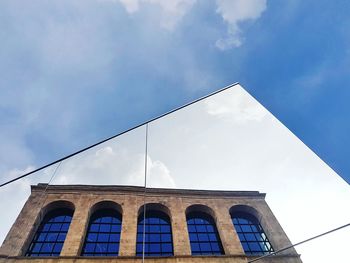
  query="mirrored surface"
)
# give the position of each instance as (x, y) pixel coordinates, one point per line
(231, 142)
(119, 161)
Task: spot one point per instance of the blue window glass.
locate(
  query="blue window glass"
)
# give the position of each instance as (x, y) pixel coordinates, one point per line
(251, 234)
(103, 234)
(158, 235)
(204, 236)
(50, 236)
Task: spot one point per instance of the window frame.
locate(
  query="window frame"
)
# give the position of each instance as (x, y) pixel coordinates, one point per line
(251, 234)
(51, 225)
(102, 237)
(203, 233)
(157, 226)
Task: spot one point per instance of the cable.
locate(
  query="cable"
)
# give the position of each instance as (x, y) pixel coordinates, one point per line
(121, 133)
(297, 244)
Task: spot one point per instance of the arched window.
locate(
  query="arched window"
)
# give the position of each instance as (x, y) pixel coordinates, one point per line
(204, 236)
(50, 236)
(252, 236)
(158, 236)
(103, 234)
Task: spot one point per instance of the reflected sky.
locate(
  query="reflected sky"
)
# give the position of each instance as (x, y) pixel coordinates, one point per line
(120, 161)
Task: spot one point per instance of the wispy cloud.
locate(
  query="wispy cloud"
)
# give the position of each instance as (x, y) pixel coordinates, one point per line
(118, 162)
(171, 11)
(236, 106)
(234, 12)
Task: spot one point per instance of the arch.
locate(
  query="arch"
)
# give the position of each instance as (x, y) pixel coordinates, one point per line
(103, 233)
(202, 230)
(201, 208)
(49, 237)
(246, 221)
(154, 234)
(58, 204)
(155, 207)
(245, 209)
(106, 204)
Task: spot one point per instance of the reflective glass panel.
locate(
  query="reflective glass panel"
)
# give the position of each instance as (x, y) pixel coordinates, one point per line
(119, 161)
(229, 141)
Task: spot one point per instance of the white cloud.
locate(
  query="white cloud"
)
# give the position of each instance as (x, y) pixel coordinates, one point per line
(118, 162)
(171, 11)
(159, 175)
(233, 12)
(108, 165)
(236, 106)
(131, 6)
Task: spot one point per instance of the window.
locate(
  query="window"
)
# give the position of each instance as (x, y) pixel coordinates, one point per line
(204, 236)
(158, 235)
(50, 236)
(103, 235)
(252, 236)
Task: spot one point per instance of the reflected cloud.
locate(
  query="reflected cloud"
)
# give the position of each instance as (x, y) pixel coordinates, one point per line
(237, 106)
(159, 175)
(109, 165)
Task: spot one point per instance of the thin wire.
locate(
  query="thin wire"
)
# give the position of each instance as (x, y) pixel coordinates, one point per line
(116, 135)
(144, 198)
(297, 244)
(52, 176)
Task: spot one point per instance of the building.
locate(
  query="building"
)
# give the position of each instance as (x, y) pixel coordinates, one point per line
(89, 223)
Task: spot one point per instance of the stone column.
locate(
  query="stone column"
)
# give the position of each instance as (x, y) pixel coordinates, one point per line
(181, 240)
(229, 238)
(77, 229)
(129, 227)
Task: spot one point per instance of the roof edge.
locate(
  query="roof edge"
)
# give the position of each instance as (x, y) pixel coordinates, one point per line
(141, 189)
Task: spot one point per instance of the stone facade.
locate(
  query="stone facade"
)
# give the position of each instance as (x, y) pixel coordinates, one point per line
(130, 200)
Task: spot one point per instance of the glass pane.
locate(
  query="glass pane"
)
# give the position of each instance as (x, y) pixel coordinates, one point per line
(119, 161)
(231, 142)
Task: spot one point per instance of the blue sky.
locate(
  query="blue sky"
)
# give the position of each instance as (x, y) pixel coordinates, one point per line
(74, 72)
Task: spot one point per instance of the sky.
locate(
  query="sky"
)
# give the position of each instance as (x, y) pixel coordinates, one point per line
(75, 72)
